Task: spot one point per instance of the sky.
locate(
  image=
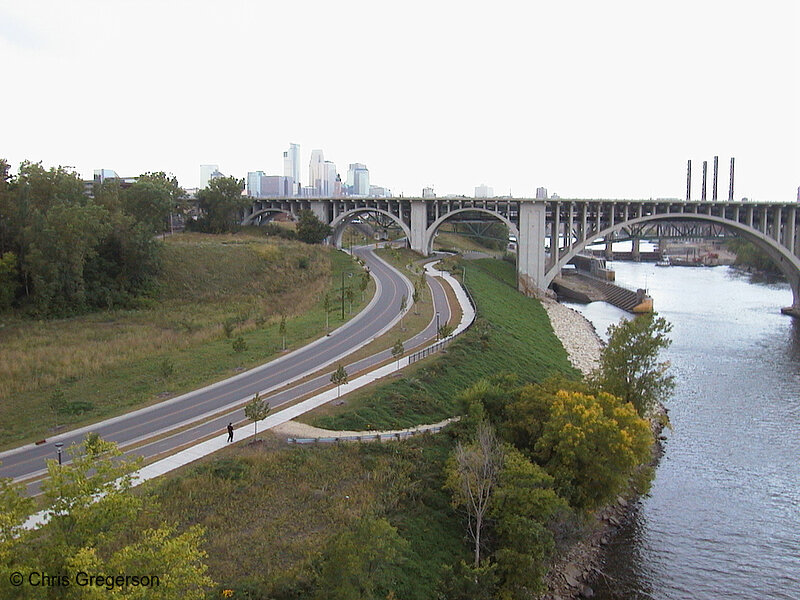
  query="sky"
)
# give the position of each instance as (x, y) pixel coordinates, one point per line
(588, 99)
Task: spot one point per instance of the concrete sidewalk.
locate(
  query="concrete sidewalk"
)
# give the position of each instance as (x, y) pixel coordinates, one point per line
(184, 457)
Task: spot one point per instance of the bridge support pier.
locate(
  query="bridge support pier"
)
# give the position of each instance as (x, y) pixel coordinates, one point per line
(419, 226)
(609, 252)
(530, 249)
(635, 252)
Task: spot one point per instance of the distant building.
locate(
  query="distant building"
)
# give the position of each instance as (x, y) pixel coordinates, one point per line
(329, 176)
(358, 180)
(254, 183)
(276, 186)
(207, 173)
(798, 193)
(484, 191)
(555, 197)
(291, 167)
(316, 172)
(541, 193)
(428, 192)
(379, 192)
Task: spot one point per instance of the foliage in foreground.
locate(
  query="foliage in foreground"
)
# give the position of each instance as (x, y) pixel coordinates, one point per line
(90, 530)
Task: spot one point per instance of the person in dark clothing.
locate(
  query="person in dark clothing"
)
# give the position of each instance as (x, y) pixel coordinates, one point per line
(230, 432)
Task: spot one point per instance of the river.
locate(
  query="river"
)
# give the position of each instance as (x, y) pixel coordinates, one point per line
(722, 519)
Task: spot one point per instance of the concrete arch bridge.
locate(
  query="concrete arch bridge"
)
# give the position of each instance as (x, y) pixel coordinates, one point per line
(551, 232)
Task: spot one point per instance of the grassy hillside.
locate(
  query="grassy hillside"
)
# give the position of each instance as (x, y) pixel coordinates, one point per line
(270, 512)
(273, 513)
(511, 335)
(70, 371)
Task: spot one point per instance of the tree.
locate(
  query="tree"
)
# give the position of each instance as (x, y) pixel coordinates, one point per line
(349, 294)
(360, 560)
(589, 444)
(472, 473)
(282, 332)
(403, 305)
(9, 279)
(397, 351)
(149, 202)
(326, 306)
(445, 331)
(415, 299)
(222, 203)
(310, 229)
(629, 367)
(339, 377)
(256, 410)
(362, 286)
(93, 528)
(524, 504)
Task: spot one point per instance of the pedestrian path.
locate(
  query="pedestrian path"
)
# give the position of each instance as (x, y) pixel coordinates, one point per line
(207, 447)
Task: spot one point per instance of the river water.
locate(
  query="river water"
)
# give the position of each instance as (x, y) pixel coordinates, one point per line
(722, 519)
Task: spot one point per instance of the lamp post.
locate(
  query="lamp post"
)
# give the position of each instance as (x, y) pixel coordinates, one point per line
(437, 325)
(59, 446)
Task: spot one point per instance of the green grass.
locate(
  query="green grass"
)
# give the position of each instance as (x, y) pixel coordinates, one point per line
(511, 335)
(269, 509)
(109, 362)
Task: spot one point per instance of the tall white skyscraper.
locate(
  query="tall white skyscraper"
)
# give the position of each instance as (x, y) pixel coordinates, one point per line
(329, 179)
(206, 172)
(316, 171)
(291, 166)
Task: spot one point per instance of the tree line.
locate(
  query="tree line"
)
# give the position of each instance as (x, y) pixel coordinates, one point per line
(63, 251)
(532, 462)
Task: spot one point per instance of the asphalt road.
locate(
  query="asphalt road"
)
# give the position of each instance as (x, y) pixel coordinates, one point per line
(221, 398)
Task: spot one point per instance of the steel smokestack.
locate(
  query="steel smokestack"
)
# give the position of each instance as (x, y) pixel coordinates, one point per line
(716, 170)
(689, 180)
(730, 190)
(705, 171)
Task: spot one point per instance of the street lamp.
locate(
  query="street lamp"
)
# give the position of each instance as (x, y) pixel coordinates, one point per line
(437, 325)
(59, 446)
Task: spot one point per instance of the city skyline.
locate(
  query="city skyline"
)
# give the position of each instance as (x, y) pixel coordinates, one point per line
(588, 100)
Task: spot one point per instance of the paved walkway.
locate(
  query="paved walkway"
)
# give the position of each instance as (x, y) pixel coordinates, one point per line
(219, 442)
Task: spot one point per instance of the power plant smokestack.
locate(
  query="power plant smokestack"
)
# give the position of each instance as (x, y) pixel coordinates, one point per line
(716, 169)
(730, 190)
(705, 171)
(689, 181)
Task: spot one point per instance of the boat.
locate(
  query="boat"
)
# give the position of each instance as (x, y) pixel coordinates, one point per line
(664, 262)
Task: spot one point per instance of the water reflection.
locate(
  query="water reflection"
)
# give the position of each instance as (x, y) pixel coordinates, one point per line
(721, 520)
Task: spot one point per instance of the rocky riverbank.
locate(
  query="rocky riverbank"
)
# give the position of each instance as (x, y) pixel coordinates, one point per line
(577, 335)
(572, 574)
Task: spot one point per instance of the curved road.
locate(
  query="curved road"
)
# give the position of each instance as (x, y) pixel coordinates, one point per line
(215, 405)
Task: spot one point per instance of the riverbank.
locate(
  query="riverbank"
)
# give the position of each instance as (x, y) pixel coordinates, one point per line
(572, 574)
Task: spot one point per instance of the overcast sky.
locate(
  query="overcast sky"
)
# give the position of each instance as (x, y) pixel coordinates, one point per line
(591, 99)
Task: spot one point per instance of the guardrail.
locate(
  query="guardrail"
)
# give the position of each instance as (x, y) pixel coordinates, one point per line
(376, 437)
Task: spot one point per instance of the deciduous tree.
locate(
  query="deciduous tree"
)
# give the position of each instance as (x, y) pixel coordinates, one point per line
(589, 444)
(256, 410)
(472, 473)
(222, 203)
(629, 367)
(310, 229)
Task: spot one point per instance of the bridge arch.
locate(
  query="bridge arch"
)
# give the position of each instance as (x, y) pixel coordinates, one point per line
(781, 256)
(255, 217)
(340, 223)
(430, 232)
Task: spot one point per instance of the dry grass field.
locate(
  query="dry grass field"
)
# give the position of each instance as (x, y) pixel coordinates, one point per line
(212, 290)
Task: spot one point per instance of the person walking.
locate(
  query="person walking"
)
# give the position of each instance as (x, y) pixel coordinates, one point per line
(230, 432)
